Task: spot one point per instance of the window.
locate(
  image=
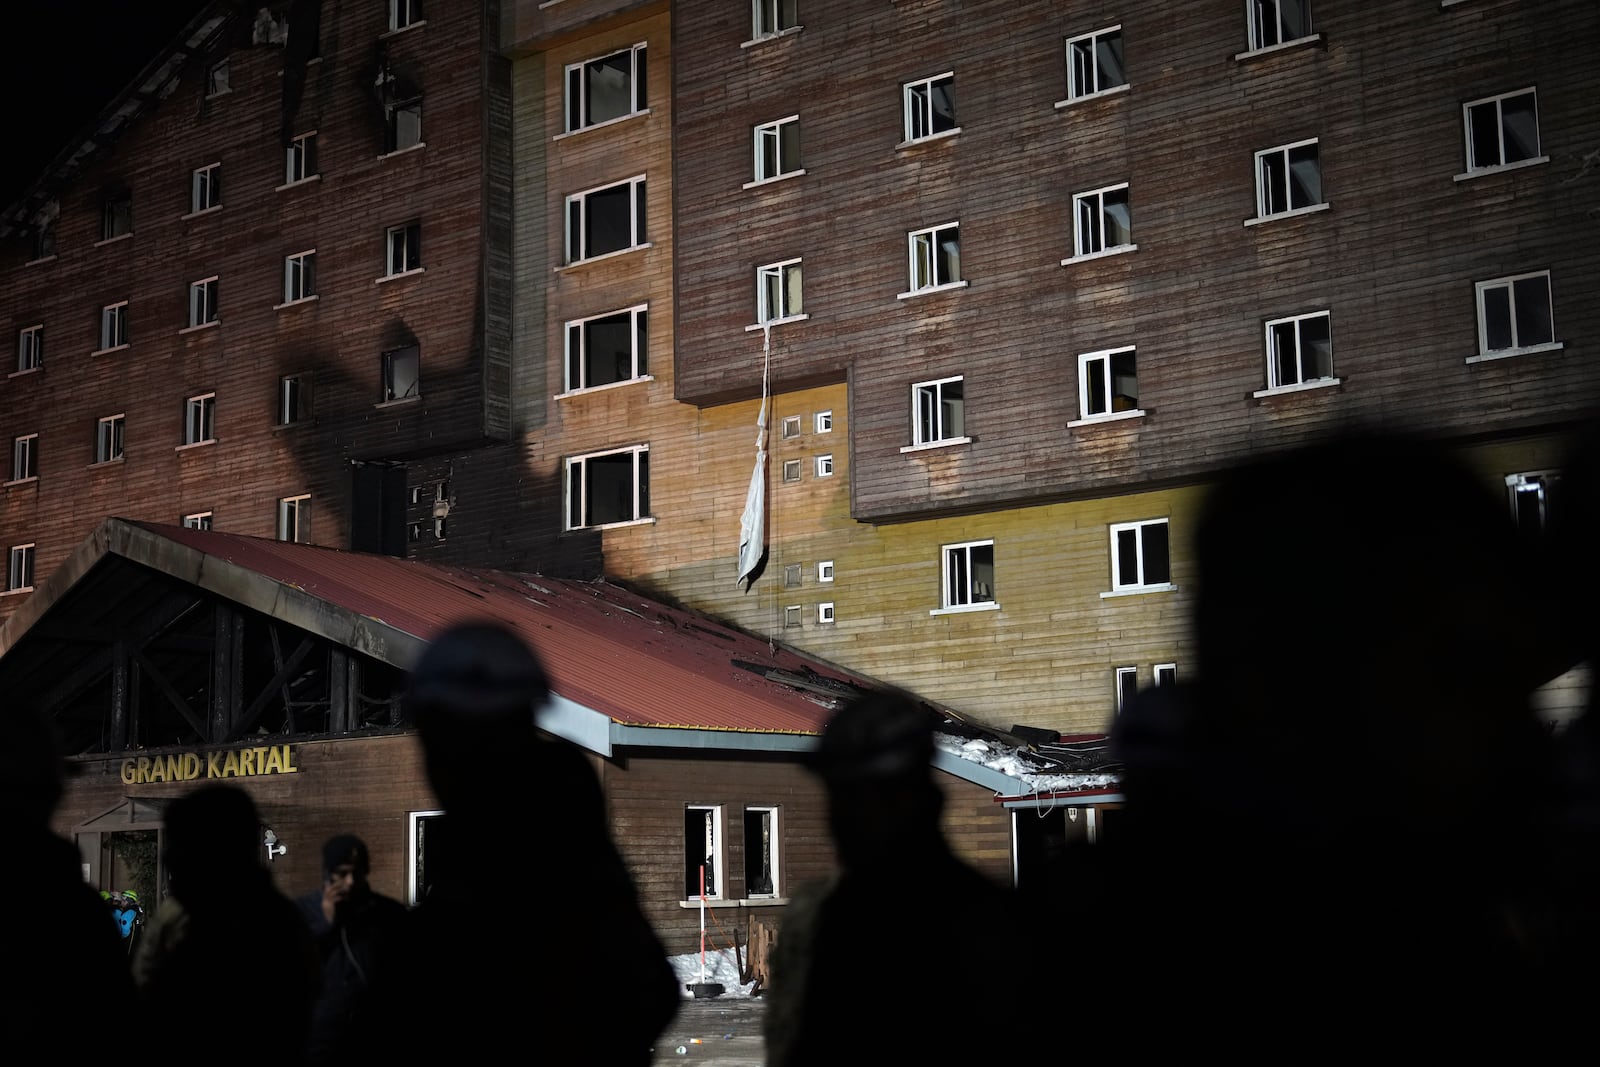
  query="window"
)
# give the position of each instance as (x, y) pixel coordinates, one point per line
(935, 257)
(200, 520)
(1288, 178)
(790, 427)
(607, 349)
(938, 411)
(791, 576)
(1139, 558)
(930, 106)
(113, 326)
(1502, 130)
(702, 852)
(205, 190)
(611, 87)
(777, 149)
(1166, 674)
(791, 617)
(968, 575)
(1531, 499)
(294, 518)
(202, 302)
(403, 13)
(1094, 63)
(823, 421)
(25, 457)
(1102, 222)
(778, 292)
(761, 852)
(19, 576)
(604, 220)
(402, 124)
(825, 571)
(791, 470)
(441, 524)
(116, 218)
(825, 613)
(299, 276)
(1108, 384)
(294, 398)
(405, 248)
(1127, 681)
(1514, 314)
(44, 240)
(429, 833)
(217, 79)
(771, 17)
(1278, 21)
(402, 369)
(1299, 350)
(825, 466)
(199, 419)
(608, 487)
(108, 439)
(30, 348)
(300, 159)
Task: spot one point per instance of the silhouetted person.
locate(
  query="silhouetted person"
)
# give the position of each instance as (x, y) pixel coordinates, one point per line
(1339, 823)
(530, 935)
(907, 941)
(349, 920)
(230, 969)
(67, 981)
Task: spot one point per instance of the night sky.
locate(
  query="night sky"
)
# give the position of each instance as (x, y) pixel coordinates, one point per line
(63, 61)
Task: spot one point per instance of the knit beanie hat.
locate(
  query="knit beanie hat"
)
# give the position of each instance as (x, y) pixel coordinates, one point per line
(345, 848)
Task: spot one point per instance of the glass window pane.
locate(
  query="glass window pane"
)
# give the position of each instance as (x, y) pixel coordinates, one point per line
(982, 573)
(1128, 557)
(1088, 226)
(1108, 57)
(1483, 133)
(610, 83)
(1520, 123)
(953, 409)
(607, 221)
(1305, 177)
(1124, 383)
(1080, 57)
(1156, 565)
(949, 257)
(608, 353)
(1316, 349)
(1096, 394)
(1533, 311)
(789, 151)
(944, 106)
(1274, 184)
(793, 303)
(1118, 221)
(1497, 318)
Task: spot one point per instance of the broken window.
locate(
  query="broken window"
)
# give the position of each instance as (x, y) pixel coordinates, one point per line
(604, 220)
(1299, 350)
(402, 124)
(205, 188)
(1275, 22)
(761, 852)
(791, 470)
(405, 248)
(202, 302)
(300, 159)
(108, 439)
(968, 575)
(935, 257)
(702, 852)
(299, 276)
(611, 87)
(608, 487)
(30, 348)
(791, 617)
(217, 79)
(19, 575)
(116, 215)
(199, 419)
(606, 349)
(294, 398)
(938, 411)
(294, 518)
(402, 369)
(113, 326)
(1514, 314)
(930, 106)
(1502, 130)
(44, 237)
(779, 295)
(1139, 558)
(1102, 219)
(200, 520)
(1108, 383)
(1288, 178)
(1094, 63)
(789, 427)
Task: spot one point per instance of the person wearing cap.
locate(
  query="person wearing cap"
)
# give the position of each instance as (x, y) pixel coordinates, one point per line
(349, 920)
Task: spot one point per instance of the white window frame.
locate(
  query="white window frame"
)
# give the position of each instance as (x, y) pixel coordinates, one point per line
(392, 377)
(114, 326)
(824, 465)
(918, 111)
(1275, 384)
(786, 281)
(825, 614)
(774, 818)
(403, 248)
(404, 14)
(205, 188)
(789, 427)
(1089, 242)
(1264, 184)
(198, 520)
(1517, 348)
(576, 341)
(294, 398)
(294, 518)
(929, 414)
(25, 457)
(773, 18)
(299, 277)
(577, 219)
(200, 419)
(1164, 674)
(1084, 76)
(1142, 582)
(954, 561)
(300, 159)
(1089, 397)
(716, 852)
(822, 422)
(1125, 684)
(1537, 484)
(203, 302)
(771, 139)
(825, 570)
(109, 440)
(1264, 34)
(30, 348)
(576, 487)
(414, 846)
(217, 79)
(578, 97)
(20, 567)
(1498, 103)
(923, 260)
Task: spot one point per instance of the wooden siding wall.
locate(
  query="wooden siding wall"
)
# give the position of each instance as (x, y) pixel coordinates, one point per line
(343, 215)
(1394, 258)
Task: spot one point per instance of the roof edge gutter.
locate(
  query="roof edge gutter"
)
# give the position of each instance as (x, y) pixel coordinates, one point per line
(624, 736)
(1080, 799)
(976, 773)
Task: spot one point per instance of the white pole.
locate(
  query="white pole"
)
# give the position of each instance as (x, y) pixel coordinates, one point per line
(702, 924)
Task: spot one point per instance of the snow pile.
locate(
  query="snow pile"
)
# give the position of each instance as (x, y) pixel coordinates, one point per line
(721, 966)
(1033, 775)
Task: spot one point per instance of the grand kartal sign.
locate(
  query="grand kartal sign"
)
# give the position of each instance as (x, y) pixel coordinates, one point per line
(191, 766)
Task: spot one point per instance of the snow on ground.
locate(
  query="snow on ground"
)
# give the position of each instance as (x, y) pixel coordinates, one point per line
(720, 966)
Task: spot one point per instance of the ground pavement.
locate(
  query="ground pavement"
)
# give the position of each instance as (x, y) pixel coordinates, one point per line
(713, 1032)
